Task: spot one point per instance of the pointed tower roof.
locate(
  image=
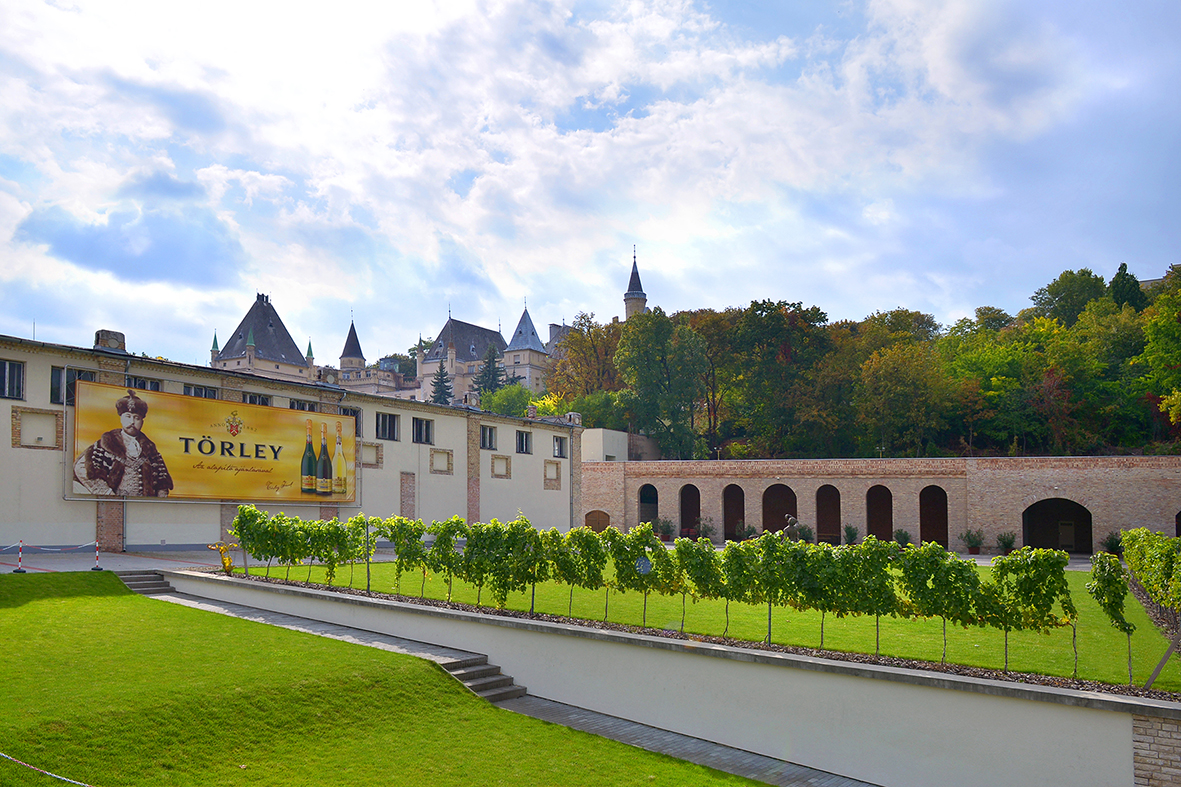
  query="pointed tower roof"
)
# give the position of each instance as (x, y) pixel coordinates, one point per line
(525, 337)
(215, 347)
(352, 345)
(250, 338)
(634, 288)
(309, 355)
(262, 326)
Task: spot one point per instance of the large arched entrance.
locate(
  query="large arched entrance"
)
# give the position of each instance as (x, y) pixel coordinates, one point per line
(1057, 523)
(733, 510)
(879, 513)
(690, 510)
(828, 509)
(649, 503)
(933, 515)
(598, 521)
(779, 502)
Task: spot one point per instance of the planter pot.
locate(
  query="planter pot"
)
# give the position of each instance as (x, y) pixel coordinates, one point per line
(973, 550)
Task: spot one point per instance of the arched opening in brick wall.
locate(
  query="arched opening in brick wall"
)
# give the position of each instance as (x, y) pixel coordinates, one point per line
(733, 510)
(933, 515)
(598, 521)
(690, 510)
(649, 503)
(1057, 523)
(828, 509)
(879, 513)
(779, 502)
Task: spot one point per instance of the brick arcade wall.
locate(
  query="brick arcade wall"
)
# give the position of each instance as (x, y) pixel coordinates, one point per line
(989, 494)
(1156, 751)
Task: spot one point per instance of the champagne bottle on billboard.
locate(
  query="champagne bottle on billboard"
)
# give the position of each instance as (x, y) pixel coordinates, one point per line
(307, 483)
(324, 465)
(339, 481)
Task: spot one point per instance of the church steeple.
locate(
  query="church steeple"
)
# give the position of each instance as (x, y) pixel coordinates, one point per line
(634, 300)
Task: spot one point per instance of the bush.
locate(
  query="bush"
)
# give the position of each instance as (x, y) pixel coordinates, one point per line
(1006, 541)
(1113, 542)
(804, 533)
(901, 537)
(852, 534)
(973, 539)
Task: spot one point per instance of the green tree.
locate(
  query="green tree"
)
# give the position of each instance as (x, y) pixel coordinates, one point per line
(937, 583)
(441, 392)
(490, 378)
(584, 360)
(1125, 288)
(661, 361)
(720, 374)
(777, 343)
(905, 396)
(510, 400)
(1109, 588)
(1065, 298)
(443, 556)
(481, 553)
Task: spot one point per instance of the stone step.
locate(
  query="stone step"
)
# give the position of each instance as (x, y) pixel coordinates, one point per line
(478, 671)
(490, 682)
(503, 693)
(145, 583)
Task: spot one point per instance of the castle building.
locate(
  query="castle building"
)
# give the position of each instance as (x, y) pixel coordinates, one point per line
(261, 345)
(526, 357)
(460, 348)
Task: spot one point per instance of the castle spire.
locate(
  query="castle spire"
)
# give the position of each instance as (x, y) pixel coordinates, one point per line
(634, 300)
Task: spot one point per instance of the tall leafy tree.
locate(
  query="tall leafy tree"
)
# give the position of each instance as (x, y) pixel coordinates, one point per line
(777, 342)
(1065, 298)
(720, 375)
(905, 396)
(661, 361)
(584, 360)
(1125, 288)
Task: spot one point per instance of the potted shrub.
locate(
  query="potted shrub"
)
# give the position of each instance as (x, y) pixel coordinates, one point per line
(851, 534)
(1006, 541)
(664, 529)
(973, 540)
(1113, 542)
(902, 537)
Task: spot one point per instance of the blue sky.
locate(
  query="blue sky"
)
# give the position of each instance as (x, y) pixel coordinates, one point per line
(159, 165)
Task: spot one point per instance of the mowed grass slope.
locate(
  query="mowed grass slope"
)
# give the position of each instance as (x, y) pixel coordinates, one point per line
(1102, 650)
(111, 688)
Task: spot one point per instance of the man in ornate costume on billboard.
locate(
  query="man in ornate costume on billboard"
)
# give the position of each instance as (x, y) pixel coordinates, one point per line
(124, 461)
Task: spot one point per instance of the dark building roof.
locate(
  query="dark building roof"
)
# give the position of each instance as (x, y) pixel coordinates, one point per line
(471, 341)
(525, 337)
(262, 327)
(352, 345)
(634, 287)
(556, 334)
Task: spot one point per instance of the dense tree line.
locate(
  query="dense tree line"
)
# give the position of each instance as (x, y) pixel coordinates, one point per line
(1091, 367)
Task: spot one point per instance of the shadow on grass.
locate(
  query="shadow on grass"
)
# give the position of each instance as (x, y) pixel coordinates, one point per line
(19, 589)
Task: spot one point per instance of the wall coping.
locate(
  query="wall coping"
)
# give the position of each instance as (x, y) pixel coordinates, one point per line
(1092, 700)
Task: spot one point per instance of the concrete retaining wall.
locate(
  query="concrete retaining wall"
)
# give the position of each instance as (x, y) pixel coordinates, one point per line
(882, 725)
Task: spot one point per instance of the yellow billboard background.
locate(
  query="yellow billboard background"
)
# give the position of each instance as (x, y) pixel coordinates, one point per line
(220, 450)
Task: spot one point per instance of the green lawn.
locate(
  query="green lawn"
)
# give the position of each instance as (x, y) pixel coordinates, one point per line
(111, 688)
(1102, 650)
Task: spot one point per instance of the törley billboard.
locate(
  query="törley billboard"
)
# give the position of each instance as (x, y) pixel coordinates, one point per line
(133, 443)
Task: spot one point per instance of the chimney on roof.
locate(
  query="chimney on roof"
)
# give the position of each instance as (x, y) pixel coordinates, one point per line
(110, 340)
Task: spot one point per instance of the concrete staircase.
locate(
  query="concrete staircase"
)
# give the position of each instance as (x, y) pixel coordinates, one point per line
(484, 679)
(146, 583)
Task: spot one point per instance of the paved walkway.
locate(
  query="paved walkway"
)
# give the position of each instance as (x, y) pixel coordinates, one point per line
(684, 747)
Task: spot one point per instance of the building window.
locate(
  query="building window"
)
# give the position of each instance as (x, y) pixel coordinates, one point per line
(387, 426)
(300, 404)
(488, 438)
(424, 431)
(560, 447)
(516, 359)
(253, 398)
(12, 380)
(141, 383)
(355, 413)
(200, 391)
(524, 442)
(63, 380)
